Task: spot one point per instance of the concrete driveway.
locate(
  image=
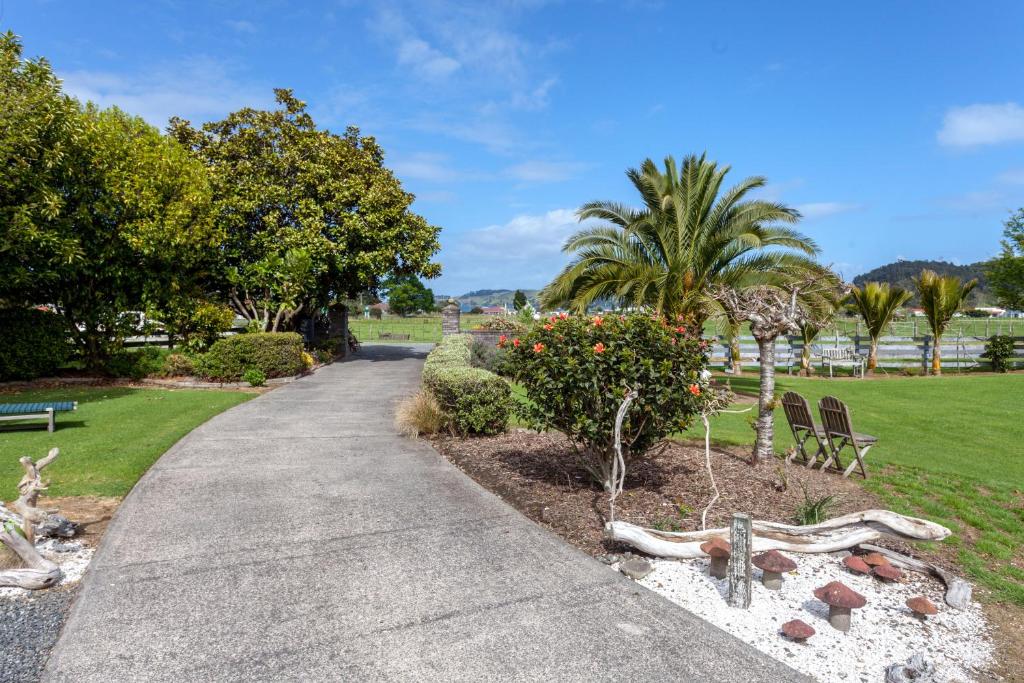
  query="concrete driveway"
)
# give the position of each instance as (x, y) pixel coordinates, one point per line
(299, 537)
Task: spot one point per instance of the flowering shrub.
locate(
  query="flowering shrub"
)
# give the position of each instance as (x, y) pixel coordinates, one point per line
(502, 324)
(577, 371)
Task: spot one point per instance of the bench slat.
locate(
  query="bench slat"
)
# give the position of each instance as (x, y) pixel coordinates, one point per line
(34, 408)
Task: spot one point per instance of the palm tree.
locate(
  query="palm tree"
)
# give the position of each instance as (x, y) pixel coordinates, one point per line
(688, 237)
(809, 331)
(877, 303)
(941, 297)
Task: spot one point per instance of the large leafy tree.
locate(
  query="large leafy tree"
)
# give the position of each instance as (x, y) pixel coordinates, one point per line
(408, 295)
(310, 217)
(877, 303)
(941, 297)
(690, 236)
(135, 208)
(1006, 271)
(38, 126)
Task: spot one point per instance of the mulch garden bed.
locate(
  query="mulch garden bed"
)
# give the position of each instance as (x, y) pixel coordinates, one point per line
(538, 475)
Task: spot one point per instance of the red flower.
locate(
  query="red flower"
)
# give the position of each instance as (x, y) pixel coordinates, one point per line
(695, 390)
(515, 342)
(598, 321)
(599, 347)
(538, 347)
(681, 329)
(563, 315)
(501, 341)
(554, 318)
(549, 327)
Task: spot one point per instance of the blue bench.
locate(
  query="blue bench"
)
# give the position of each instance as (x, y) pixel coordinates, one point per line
(36, 411)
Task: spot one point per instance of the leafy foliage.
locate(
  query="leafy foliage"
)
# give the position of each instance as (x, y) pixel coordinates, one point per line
(255, 377)
(275, 354)
(1006, 271)
(146, 361)
(197, 323)
(310, 217)
(577, 370)
(32, 343)
(686, 239)
(814, 510)
(941, 297)
(877, 303)
(478, 401)
(999, 352)
(408, 295)
(519, 300)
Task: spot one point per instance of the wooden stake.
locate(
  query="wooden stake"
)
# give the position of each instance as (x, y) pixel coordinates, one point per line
(739, 562)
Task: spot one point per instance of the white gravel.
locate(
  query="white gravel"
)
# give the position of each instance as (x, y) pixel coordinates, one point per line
(883, 632)
(72, 556)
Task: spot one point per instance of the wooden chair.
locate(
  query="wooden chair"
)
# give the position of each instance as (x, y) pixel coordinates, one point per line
(804, 428)
(835, 419)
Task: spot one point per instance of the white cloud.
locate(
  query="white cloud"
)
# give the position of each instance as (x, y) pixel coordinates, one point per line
(979, 200)
(815, 210)
(198, 89)
(425, 60)
(982, 124)
(524, 252)
(544, 171)
(1014, 176)
(241, 26)
(425, 166)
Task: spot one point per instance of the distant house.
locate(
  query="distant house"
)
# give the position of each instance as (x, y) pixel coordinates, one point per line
(993, 311)
(916, 312)
(494, 310)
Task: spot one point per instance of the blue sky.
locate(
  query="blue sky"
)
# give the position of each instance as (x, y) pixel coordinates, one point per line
(896, 128)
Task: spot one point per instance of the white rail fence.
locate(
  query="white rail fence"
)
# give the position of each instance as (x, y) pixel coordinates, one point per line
(894, 353)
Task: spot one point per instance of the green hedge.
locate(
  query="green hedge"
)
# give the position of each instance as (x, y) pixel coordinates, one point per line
(33, 343)
(275, 354)
(478, 401)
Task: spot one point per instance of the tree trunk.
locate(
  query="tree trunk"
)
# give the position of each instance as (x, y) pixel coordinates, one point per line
(937, 355)
(873, 355)
(764, 446)
(735, 359)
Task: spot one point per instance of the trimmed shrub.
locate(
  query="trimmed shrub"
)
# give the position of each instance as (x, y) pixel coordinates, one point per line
(33, 343)
(486, 356)
(502, 324)
(178, 365)
(254, 377)
(138, 363)
(999, 352)
(275, 354)
(577, 371)
(478, 401)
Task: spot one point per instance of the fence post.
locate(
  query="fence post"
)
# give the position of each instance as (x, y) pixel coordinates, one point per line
(450, 315)
(741, 537)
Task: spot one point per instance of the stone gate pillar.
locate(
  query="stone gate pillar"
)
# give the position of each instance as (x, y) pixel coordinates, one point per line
(450, 318)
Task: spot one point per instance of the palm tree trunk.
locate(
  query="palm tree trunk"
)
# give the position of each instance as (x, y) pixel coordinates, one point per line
(734, 353)
(764, 445)
(873, 355)
(937, 356)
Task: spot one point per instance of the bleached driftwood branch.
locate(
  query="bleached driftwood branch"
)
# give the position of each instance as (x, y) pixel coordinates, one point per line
(835, 534)
(37, 572)
(31, 485)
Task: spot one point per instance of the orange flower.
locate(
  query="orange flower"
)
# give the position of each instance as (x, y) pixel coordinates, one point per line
(695, 390)
(563, 315)
(598, 321)
(515, 342)
(554, 318)
(681, 330)
(501, 341)
(599, 347)
(538, 347)
(549, 327)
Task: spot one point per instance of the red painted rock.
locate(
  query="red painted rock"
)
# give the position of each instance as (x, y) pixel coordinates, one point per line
(887, 572)
(797, 630)
(856, 564)
(922, 607)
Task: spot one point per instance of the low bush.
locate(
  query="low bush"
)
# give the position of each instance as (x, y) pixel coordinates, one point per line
(33, 343)
(502, 324)
(254, 377)
(486, 356)
(477, 401)
(578, 370)
(146, 361)
(275, 354)
(999, 352)
(178, 365)
(420, 414)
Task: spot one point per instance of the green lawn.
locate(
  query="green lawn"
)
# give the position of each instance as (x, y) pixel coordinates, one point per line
(111, 440)
(950, 449)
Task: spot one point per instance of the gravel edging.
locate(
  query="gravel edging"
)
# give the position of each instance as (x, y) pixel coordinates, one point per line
(29, 628)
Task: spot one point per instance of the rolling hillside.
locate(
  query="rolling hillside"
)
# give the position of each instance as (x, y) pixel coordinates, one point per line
(901, 273)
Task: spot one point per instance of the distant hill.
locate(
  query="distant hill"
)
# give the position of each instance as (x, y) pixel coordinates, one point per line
(493, 297)
(902, 274)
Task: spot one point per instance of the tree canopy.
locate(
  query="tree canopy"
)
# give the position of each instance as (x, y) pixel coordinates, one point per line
(1006, 271)
(309, 217)
(408, 295)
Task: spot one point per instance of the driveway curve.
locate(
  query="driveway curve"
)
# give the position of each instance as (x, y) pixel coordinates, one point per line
(299, 537)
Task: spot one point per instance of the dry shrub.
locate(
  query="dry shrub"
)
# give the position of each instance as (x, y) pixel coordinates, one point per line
(420, 414)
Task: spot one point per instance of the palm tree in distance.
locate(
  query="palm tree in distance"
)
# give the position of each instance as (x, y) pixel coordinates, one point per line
(689, 236)
(941, 297)
(877, 303)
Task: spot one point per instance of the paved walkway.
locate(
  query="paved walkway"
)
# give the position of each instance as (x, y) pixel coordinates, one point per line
(298, 537)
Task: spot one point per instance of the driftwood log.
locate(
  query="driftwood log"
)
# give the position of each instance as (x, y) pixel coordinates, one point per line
(958, 591)
(835, 534)
(37, 572)
(31, 485)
